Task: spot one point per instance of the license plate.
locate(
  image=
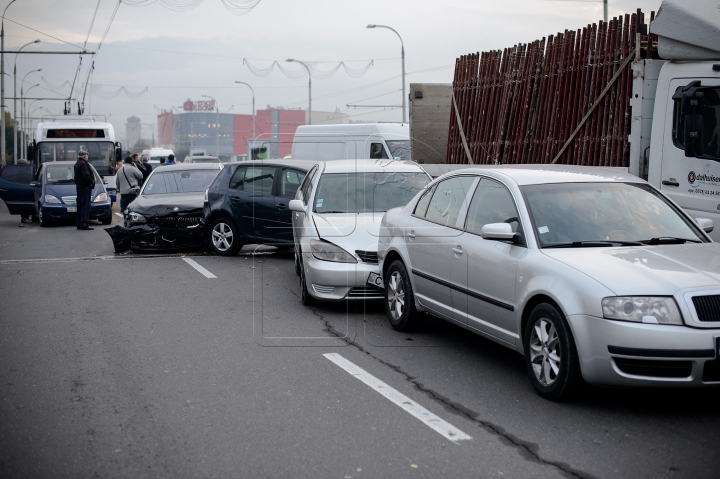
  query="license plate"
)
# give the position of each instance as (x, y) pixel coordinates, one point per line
(374, 279)
(72, 209)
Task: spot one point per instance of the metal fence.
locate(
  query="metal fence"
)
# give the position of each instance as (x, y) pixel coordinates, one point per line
(521, 104)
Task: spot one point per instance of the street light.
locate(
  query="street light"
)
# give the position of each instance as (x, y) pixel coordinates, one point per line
(402, 50)
(24, 107)
(217, 125)
(253, 111)
(15, 133)
(21, 95)
(2, 86)
(309, 87)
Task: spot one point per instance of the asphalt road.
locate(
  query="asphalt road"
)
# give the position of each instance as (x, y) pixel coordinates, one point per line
(142, 366)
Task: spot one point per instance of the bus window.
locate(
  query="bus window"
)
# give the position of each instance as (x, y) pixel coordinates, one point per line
(101, 154)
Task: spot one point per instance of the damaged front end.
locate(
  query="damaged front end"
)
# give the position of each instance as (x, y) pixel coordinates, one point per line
(160, 228)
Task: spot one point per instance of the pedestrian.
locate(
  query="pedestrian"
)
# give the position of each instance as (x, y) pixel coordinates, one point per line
(162, 160)
(84, 184)
(129, 179)
(170, 160)
(24, 218)
(147, 165)
(138, 164)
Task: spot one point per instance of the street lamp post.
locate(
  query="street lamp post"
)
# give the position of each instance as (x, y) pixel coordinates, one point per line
(253, 92)
(2, 86)
(15, 134)
(24, 108)
(402, 51)
(309, 87)
(217, 125)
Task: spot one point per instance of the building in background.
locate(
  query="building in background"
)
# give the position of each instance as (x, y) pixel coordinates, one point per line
(133, 131)
(200, 128)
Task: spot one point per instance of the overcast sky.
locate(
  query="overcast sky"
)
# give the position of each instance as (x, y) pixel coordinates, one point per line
(181, 55)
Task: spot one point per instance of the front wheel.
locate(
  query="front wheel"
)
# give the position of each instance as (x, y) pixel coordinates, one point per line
(107, 221)
(305, 297)
(223, 237)
(399, 298)
(42, 219)
(551, 357)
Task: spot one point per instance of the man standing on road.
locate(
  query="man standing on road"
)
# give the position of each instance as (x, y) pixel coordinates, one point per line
(170, 160)
(147, 165)
(84, 184)
(140, 166)
(129, 180)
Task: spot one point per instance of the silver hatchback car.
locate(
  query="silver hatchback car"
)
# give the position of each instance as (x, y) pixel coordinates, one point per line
(590, 273)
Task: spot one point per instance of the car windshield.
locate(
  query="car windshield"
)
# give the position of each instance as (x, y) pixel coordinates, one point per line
(588, 214)
(179, 181)
(399, 149)
(367, 192)
(58, 174)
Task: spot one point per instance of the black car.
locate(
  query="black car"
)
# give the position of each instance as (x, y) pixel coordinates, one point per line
(248, 204)
(168, 212)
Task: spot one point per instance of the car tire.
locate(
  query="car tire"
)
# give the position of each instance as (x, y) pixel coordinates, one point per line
(298, 268)
(399, 298)
(224, 237)
(551, 356)
(107, 221)
(44, 222)
(305, 297)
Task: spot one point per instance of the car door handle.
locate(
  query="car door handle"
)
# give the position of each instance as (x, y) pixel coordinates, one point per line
(458, 249)
(280, 206)
(411, 234)
(235, 199)
(670, 183)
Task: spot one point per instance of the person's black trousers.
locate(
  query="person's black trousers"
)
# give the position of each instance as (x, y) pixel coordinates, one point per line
(83, 207)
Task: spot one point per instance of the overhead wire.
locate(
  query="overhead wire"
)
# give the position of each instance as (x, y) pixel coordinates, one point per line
(102, 40)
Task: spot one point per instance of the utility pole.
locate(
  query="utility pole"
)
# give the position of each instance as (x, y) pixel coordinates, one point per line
(2, 86)
(402, 52)
(15, 118)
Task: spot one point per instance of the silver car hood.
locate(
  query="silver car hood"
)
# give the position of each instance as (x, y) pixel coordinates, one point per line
(351, 231)
(658, 270)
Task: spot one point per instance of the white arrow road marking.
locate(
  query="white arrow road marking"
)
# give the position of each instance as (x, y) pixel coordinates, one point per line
(435, 423)
(202, 270)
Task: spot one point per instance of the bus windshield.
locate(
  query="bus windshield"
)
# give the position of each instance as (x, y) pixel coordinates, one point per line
(101, 154)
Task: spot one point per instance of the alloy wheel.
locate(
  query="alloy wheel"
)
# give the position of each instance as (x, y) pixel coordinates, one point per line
(222, 236)
(545, 354)
(396, 295)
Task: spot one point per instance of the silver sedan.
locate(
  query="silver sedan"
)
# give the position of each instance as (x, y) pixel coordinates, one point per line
(592, 274)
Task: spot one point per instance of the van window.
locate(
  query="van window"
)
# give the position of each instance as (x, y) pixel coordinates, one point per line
(377, 151)
(710, 127)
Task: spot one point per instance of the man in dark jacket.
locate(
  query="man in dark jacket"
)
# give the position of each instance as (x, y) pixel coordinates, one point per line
(84, 184)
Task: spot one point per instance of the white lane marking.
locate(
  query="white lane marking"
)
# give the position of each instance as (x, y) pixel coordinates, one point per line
(118, 214)
(202, 270)
(435, 423)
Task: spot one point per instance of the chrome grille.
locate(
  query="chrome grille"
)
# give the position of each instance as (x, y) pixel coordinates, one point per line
(176, 221)
(707, 308)
(367, 292)
(69, 200)
(370, 257)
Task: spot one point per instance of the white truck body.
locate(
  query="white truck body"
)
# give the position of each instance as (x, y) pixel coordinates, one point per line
(353, 141)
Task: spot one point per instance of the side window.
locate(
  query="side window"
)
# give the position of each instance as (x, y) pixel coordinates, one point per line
(307, 185)
(18, 173)
(447, 200)
(238, 179)
(709, 127)
(422, 205)
(259, 180)
(290, 182)
(491, 203)
(377, 151)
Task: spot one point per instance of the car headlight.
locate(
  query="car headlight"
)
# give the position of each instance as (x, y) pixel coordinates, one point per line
(642, 309)
(51, 199)
(100, 198)
(136, 218)
(330, 252)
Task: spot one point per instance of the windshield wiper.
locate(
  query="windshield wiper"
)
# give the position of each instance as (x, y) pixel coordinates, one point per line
(593, 244)
(669, 240)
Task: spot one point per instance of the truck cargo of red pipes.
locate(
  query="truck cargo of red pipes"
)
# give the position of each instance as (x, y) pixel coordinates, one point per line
(613, 94)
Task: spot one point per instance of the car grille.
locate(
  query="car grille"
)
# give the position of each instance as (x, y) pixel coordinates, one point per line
(367, 292)
(707, 308)
(323, 289)
(69, 200)
(176, 221)
(367, 256)
(655, 369)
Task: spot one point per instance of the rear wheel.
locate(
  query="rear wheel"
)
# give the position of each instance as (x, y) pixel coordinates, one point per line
(550, 354)
(223, 237)
(399, 298)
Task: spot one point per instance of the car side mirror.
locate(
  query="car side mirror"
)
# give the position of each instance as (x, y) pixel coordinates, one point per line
(705, 224)
(35, 184)
(297, 205)
(498, 231)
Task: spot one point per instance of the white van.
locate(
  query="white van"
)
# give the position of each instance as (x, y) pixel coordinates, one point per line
(340, 142)
(154, 154)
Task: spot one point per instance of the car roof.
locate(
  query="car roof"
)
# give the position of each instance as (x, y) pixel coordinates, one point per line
(302, 164)
(371, 166)
(545, 174)
(191, 166)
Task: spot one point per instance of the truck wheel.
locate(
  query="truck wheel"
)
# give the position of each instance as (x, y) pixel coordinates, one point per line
(399, 298)
(223, 237)
(550, 354)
